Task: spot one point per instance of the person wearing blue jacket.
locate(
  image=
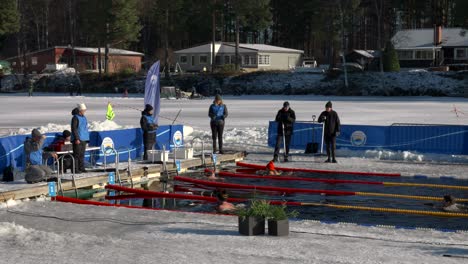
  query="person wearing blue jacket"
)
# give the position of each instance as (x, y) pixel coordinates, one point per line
(80, 136)
(217, 113)
(35, 170)
(149, 129)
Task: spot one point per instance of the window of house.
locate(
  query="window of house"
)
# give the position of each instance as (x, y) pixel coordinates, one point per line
(218, 60)
(246, 60)
(34, 60)
(203, 59)
(227, 59)
(183, 59)
(253, 60)
(461, 53)
(263, 59)
(424, 54)
(14, 63)
(405, 54)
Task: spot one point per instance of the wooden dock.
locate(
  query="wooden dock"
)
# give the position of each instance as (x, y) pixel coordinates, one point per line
(98, 180)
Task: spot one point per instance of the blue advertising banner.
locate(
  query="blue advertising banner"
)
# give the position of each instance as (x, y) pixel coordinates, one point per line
(438, 139)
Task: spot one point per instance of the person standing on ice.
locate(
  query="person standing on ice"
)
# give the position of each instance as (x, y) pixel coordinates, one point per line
(285, 119)
(149, 129)
(35, 170)
(217, 113)
(331, 130)
(80, 136)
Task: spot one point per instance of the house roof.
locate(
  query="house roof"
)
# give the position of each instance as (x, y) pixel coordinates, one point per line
(424, 38)
(243, 48)
(368, 53)
(112, 51)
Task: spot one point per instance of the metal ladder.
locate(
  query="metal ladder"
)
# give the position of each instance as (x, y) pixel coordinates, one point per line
(60, 173)
(203, 149)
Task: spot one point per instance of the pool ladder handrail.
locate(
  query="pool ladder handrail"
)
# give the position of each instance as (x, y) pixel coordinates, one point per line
(113, 151)
(60, 173)
(203, 149)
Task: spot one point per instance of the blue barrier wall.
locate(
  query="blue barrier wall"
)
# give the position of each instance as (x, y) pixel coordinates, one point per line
(125, 141)
(439, 139)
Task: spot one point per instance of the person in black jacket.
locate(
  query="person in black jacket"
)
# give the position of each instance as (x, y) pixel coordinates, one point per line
(149, 129)
(285, 118)
(332, 130)
(217, 113)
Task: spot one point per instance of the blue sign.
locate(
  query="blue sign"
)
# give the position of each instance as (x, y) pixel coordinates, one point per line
(52, 189)
(177, 163)
(111, 178)
(215, 158)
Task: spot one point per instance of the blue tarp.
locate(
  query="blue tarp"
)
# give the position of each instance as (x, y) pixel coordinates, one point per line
(125, 141)
(439, 139)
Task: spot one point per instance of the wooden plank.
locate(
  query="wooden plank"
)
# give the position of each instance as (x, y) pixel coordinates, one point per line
(99, 181)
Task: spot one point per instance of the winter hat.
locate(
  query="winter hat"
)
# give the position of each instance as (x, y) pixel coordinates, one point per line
(66, 133)
(286, 104)
(148, 108)
(217, 97)
(328, 104)
(81, 106)
(36, 133)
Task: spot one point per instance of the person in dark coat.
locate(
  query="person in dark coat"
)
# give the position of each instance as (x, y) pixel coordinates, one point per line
(61, 143)
(149, 128)
(79, 136)
(285, 119)
(331, 130)
(217, 113)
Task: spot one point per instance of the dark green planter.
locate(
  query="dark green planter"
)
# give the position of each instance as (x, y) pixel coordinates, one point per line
(278, 227)
(251, 226)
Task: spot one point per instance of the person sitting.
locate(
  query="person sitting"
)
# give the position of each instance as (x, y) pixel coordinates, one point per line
(449, 205)
(223, 205)
(270, 168)
(35, 170)
(63, 143)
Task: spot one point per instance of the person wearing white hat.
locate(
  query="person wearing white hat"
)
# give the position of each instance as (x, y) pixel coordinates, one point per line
(80, 136)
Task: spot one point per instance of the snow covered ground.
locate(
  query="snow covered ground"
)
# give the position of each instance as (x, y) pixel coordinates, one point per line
(50, 232)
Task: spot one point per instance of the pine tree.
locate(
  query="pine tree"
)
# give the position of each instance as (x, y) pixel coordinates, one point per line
(390, 59)
(9, 19)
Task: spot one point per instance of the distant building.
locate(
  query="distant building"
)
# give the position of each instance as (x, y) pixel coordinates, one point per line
(86, 59)
(252, 57)
(368, 59)
(431, 47)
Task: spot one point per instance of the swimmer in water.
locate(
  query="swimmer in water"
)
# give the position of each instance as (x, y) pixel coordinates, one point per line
(270, 168)
(450, 205)
(223, 205)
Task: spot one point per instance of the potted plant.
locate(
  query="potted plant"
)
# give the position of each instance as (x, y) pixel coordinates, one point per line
(278, 220)
(252, 219)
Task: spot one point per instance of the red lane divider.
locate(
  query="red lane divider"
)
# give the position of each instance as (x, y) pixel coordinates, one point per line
(139, 194)
(287, 178)
(262, 188)
(86, 202)
(262, 167)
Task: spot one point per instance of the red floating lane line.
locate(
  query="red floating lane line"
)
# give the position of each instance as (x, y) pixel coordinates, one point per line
(197, 197)
(262, 188)
(287, 178)
(262, 167)
(86, 202)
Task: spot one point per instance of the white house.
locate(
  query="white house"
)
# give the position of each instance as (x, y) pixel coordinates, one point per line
(253, 57)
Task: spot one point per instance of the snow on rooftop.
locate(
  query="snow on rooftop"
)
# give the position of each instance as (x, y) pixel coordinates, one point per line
(424, 38)
(230, 48)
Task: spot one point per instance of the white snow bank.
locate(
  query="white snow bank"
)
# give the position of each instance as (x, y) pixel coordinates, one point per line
(93, 126)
